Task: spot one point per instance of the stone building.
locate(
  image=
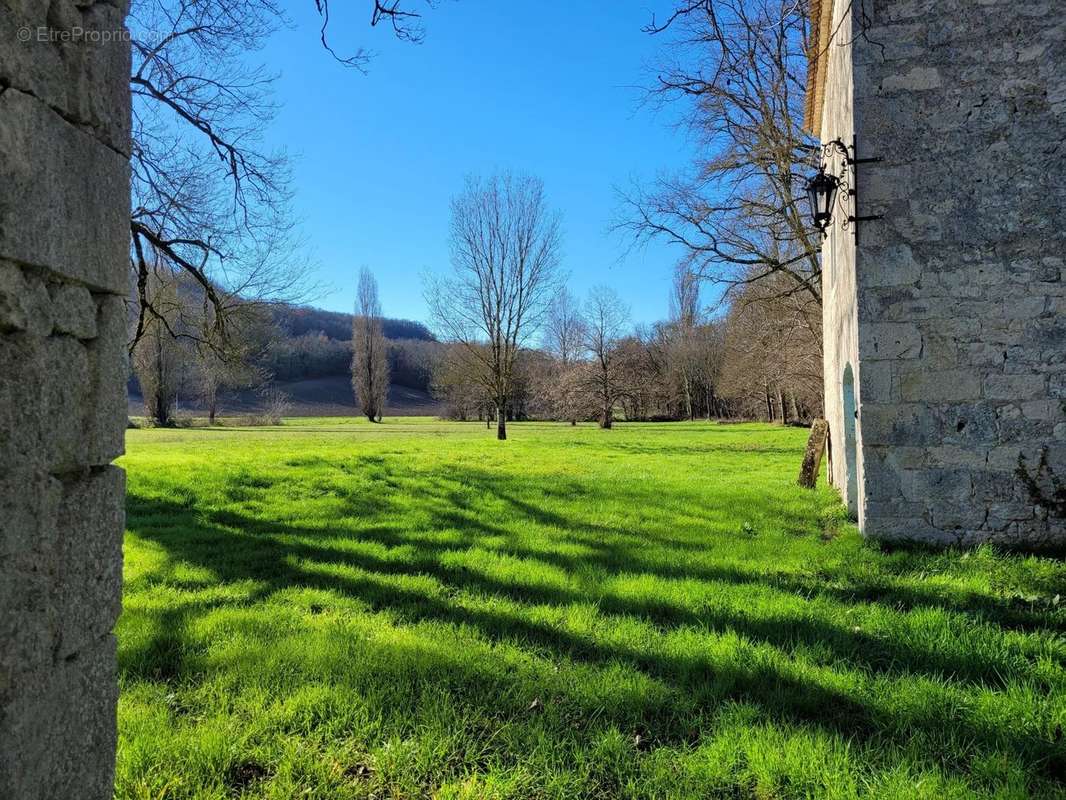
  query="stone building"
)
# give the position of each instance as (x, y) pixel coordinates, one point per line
(945, 317)
(64, 234)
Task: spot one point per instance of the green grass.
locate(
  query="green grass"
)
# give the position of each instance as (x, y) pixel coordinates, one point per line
(334, 610)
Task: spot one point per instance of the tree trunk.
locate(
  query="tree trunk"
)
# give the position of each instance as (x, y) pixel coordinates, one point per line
(781, 406)
(501, 420)
(573, 423)
(606, 418)
(162, 410)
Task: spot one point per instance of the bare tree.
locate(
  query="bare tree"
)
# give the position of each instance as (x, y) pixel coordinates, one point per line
(505, 256)
(159, 358)
(453, 383)
(209, 201)
(606, 318)
(370, 353)
(643, 385)
(681, 331)
(707, 365)
(738, 68)
(685, 296)
(772, 362)
(231, 362)
(406, 26)
(564, 339)
(564, 329)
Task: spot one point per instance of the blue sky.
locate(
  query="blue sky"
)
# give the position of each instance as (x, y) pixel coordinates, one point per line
(547, 88)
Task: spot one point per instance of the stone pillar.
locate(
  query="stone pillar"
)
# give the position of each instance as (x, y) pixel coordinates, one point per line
(64, 233)
(957, 314)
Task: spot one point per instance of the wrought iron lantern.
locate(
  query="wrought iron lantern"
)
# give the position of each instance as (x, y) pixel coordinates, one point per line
(822, 191)
(826, 189)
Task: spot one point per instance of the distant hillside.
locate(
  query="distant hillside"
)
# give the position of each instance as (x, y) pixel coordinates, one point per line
(309, 358)
(301, 320)
(314, 397)
(312, 343)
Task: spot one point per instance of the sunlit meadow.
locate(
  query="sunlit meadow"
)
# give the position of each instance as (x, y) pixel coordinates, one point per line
(335, 609)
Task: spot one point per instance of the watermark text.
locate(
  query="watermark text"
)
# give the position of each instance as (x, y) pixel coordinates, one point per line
(45, 34)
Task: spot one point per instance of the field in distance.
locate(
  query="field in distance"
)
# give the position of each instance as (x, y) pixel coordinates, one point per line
(311, 397)
(334, 609)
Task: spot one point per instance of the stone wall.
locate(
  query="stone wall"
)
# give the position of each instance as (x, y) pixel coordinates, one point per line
(960, 288)
(64, 232)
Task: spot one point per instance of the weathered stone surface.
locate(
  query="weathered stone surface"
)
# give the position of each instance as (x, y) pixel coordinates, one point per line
(59, 731)
(890, 340)
(939, 386)
(881, 477)
(61, 598)
(1015, 387)
(892, 266)
(915, 79)
(65, 197)
(13, 290)
(74, 58)
(812, 458)
(29, 501)
(38, 306)
(29, 550)
(952, 309)
(900, 425)
(880, 382)
(64, 233)
(73, 311)
(105, 429)
(44, 391)
(88, 601)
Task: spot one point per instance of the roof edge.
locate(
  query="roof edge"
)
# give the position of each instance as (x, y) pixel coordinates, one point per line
(821, 16)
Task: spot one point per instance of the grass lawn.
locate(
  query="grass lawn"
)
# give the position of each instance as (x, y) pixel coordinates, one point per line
(332, 609)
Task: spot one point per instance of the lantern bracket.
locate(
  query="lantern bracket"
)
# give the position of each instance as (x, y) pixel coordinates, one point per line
(848, 180)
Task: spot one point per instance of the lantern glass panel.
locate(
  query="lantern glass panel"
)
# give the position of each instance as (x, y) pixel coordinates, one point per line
(821, 190)
(814, 196)
(829, 194)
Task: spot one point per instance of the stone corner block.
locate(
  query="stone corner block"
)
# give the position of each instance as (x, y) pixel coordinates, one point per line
(65, 204)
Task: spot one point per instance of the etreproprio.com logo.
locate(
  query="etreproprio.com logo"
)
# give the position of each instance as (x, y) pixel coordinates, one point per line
(43, 33)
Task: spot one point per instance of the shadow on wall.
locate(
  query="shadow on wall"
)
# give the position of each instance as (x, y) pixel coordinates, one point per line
(851, 457)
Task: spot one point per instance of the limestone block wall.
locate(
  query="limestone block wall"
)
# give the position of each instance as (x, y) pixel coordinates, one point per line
(961, 291)
(64, 232)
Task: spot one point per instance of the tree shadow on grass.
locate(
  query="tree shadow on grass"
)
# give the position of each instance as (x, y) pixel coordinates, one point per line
(847, 643)
(279, 555)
